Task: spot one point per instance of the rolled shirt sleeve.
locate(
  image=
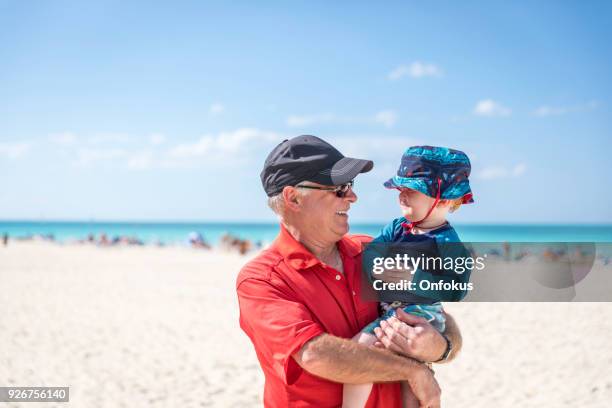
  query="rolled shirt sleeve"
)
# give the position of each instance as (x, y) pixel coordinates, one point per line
(277, 324)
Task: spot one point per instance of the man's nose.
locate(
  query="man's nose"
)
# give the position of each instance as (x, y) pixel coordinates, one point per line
(350, 196)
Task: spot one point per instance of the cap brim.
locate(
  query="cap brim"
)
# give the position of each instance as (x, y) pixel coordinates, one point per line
(390, 183)
(346, 169)
(407, 182)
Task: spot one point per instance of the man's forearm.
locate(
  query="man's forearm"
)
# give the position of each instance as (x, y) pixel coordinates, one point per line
(341, 360)
(454, 335)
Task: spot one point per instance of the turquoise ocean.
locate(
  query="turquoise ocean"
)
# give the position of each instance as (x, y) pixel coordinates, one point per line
(177, 232)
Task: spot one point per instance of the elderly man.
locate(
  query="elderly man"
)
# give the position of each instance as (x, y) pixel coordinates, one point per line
(300, 300)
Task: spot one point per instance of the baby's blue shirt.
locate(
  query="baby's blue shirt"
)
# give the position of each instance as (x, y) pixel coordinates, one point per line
(446, 234)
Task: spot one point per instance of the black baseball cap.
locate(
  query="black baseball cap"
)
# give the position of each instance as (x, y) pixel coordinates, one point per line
(308, 158)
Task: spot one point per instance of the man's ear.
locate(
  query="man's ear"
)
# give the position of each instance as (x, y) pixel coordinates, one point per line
(291, 197)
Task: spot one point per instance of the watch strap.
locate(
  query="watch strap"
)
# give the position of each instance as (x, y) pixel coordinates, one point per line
(449, 348)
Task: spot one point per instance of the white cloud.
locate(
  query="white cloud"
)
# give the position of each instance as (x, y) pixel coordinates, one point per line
(225, 147)
(140, 161)
(549, 111)
(416, 70)
(499, 172)
(546, 110)
(307, 120)
(94, 152)
(14, 150)
(156, 139)
(387, 118)
(519, 169)
(216, 109)
(198, 148)
(488, 107)
(253, 145)
(490, 173)
(86, 157)
(242, 139)
(64, 138)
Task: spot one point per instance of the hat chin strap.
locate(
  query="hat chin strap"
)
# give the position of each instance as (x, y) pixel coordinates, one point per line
(409, 226)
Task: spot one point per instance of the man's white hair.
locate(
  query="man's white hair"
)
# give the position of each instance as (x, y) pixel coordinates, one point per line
(277, 202)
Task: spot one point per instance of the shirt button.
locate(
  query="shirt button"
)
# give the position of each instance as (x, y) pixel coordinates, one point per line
(354, 294)
(338, 277)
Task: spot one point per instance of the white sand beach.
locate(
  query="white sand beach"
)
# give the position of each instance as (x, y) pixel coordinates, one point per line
(158, 327)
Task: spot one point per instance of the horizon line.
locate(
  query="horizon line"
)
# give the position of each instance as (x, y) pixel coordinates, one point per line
(264, 222)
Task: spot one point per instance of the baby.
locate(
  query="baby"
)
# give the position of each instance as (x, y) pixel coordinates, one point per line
(432, 181)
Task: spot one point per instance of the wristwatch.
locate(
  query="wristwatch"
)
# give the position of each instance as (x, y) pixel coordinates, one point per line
(449, 348)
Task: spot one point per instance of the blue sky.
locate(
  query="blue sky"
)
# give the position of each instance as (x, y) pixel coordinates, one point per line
(166, 111)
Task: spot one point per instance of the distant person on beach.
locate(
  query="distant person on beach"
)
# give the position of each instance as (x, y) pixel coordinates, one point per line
(300, 300)
(231, 242)
(432, 181)
(5, 239)
(104, 241)
(196, 240)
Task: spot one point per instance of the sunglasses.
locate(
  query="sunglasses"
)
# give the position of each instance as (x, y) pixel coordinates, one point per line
(341, 190)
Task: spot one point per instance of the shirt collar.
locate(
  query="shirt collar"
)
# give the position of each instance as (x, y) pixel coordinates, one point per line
(299, 257)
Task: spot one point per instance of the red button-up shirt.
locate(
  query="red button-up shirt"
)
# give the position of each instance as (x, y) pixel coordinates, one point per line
(287, 297)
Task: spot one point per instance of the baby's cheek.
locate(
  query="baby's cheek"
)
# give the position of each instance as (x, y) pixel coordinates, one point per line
(406, 211)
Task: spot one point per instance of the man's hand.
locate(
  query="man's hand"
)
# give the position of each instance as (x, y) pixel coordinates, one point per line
(411, 336)
(425, 388)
